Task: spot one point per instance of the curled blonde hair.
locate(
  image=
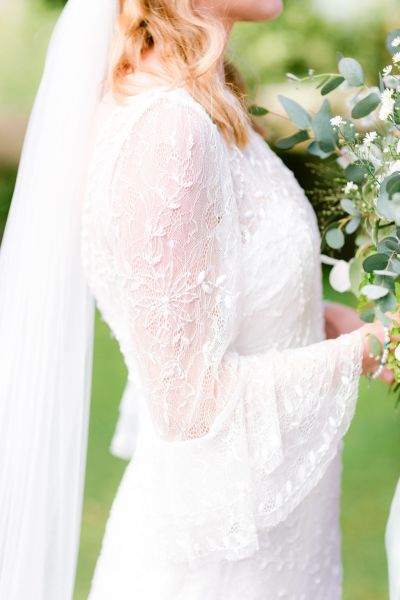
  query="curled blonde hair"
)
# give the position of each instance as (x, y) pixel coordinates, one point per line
(190, 45)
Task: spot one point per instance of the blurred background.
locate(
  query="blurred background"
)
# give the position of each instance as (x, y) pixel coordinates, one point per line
(307, 35)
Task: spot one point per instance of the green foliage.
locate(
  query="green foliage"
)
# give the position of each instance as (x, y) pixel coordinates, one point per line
(331, 84)
(335, 238)
(358, 171)
(324, 134)
(258, 111)
(291, 141)
(295, 112)
(352, 71)
(301, 39)
(370, 163)
(366, 106)
(7, 182)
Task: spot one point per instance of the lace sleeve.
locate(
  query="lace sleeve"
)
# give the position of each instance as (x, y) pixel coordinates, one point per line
(181, 283)
(239, 440)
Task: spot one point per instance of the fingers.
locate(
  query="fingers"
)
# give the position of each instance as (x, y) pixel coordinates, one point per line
(387, 376)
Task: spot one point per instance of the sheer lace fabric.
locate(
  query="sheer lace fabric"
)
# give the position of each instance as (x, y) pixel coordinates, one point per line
(204, 260)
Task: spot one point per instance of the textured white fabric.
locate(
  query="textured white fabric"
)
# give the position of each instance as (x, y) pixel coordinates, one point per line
(204, 259)
(46, 317)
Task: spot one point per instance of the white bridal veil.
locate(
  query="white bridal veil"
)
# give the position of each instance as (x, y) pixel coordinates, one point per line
(46, 321)
(46, 318)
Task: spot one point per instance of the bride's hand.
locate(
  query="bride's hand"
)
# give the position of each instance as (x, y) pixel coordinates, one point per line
(343, 319)
(340, 318)
(370, 364)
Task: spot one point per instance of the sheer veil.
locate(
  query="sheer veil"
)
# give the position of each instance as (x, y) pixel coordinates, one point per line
(46, 317)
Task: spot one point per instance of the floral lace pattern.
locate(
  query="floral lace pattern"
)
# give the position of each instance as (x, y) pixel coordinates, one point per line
(204, 260)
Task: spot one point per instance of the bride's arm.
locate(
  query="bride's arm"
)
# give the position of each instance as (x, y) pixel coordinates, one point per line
(261, 427)
(178, 244)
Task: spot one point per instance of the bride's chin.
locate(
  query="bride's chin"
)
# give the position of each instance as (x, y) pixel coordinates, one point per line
(275, 8)
(269, 9)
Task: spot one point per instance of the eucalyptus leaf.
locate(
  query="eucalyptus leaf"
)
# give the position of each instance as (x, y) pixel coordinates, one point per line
(388, 245)
(352, 225)
(368, 314)
(395, 265)
(352, 71)
(258, 111)
(373, 292)
(324, 133)
(349, 207)
(295, 112)
(289, 142)
(389, 207)
(323, 81)
(388, 302)
(386, 183)
(393, 184)
(356, 274)
(386, 273)
(384, 281)
(335, 238)
(332, 84)
(339, 276)
(375, 345)
(315, 150)
(375, 261)
(366, 106)
(358, 171)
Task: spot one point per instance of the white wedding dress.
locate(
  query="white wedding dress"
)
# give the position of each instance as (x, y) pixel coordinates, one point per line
(205, 261)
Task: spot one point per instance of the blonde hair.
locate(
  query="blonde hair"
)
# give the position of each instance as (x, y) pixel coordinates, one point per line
(190, 45)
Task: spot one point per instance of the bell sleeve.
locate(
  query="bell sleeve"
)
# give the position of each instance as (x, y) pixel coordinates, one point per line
(237, 440)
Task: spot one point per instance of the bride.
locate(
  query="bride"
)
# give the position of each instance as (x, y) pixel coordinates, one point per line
(144, 186)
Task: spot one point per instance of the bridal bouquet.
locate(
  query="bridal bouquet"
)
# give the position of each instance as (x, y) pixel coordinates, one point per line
(361, 150)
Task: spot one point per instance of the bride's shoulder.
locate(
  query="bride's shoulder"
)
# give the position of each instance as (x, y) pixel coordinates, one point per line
(158, 108)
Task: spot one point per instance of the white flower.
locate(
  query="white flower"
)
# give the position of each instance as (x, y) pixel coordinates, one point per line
(387, 104)
(336, 121)
(396, 57)
(350, 187)
(396, 42)
(369, 138)
(387, 70)
(371, 152)
(387, 95)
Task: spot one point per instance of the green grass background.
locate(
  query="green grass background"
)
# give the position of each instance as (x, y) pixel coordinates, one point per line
(371, 468)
